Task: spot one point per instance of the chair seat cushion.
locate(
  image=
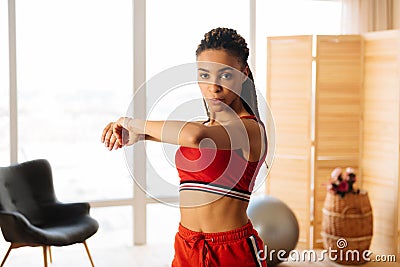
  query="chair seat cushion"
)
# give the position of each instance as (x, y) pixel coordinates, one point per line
(75, 230)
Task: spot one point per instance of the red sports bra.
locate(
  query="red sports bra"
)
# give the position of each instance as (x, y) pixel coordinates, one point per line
(217, 171)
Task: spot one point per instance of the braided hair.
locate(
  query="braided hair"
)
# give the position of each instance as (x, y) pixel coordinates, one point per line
(234, 44)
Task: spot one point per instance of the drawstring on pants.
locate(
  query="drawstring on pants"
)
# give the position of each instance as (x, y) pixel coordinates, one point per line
(201, 241)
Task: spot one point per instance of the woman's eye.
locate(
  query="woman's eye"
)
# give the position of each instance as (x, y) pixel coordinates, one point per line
(204, 75)
(226, 76)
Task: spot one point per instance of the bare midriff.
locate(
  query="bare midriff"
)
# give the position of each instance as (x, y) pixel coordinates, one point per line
(211, 213)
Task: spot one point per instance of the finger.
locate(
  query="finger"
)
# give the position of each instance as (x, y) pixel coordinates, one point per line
(113, 140)
(108, 137)
(116, 145)
(106, 129)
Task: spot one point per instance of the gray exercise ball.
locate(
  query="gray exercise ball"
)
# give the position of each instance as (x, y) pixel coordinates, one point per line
(277, 226)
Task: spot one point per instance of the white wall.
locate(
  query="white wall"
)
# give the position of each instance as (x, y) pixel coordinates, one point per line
(396, 14)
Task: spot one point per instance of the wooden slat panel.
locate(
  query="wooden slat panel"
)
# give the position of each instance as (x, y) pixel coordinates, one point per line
(338, 95)
(289, 94)
(338, 112)
(381, 135)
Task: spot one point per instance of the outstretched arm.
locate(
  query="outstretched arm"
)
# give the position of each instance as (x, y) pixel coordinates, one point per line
(233, 135)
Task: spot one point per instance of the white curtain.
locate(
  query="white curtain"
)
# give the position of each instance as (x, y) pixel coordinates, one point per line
(360, 16)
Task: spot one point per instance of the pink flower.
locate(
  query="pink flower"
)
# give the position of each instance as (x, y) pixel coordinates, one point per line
(343, 187)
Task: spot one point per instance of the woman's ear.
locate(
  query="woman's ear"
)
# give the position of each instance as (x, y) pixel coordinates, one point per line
(246, 73)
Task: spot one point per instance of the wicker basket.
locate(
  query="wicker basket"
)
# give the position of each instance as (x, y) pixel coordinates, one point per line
(347, 225)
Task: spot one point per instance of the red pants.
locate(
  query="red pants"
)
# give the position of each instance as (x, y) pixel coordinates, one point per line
(235, 248)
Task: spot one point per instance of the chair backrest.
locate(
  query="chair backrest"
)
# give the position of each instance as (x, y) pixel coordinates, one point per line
(25, 187)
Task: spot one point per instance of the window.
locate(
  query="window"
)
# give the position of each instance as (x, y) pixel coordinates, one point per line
(74, 63)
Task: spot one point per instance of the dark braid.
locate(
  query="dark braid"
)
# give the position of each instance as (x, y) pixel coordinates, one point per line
(235, 44)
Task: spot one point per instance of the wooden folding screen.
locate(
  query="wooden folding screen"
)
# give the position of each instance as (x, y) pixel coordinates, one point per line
(317, 113)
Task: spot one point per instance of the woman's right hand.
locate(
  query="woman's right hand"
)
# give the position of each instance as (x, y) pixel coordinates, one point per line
(108, 138)
(116, 135)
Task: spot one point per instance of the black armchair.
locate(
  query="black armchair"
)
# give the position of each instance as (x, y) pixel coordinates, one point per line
(30, 214)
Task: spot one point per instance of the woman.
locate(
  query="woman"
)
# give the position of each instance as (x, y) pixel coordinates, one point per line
(217, 161)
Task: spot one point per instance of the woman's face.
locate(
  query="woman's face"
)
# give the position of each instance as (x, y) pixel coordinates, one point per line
(220, 76)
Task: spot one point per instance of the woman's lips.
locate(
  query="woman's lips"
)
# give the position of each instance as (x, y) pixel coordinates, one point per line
(215, 101)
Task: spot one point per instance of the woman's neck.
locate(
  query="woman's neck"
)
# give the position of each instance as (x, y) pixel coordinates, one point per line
(232, 113)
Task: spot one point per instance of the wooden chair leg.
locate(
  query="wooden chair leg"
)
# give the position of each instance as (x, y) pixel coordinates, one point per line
(45, 255)
(50, 257)
(87, 250)
(6, 256)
